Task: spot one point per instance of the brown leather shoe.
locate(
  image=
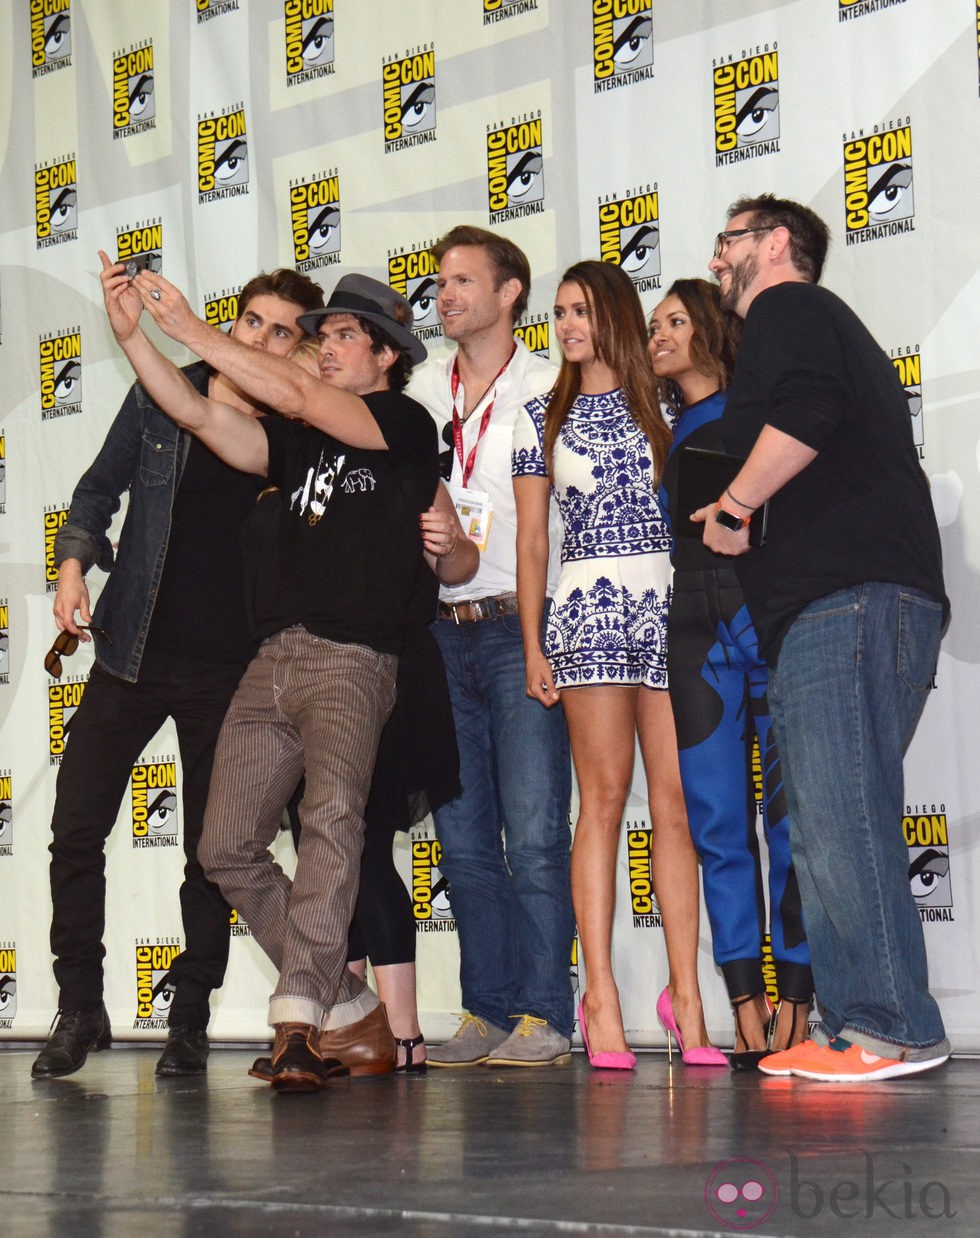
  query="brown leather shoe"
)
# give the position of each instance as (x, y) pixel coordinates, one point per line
(367, 1047)
(296, 1062)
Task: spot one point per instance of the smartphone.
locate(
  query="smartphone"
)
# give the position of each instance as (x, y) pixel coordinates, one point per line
(140, 262)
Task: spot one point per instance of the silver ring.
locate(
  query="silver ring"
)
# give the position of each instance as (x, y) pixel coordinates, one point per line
(155, 294)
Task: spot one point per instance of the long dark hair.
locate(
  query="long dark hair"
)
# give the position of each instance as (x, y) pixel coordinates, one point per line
(619, 338)
(715, 341)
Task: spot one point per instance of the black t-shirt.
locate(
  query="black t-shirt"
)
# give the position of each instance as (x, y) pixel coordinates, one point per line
(349, 547)
(199, 611)
(861, 510)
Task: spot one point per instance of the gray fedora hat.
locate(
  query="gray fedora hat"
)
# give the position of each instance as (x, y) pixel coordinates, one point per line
(368, 298)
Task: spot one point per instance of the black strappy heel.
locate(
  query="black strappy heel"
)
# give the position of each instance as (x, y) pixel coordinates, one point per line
(801, 1007)
(749, 1059)
(411, 1067)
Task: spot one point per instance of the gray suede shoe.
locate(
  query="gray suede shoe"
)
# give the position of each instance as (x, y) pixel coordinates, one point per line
(471, 1045)
(534, 1042)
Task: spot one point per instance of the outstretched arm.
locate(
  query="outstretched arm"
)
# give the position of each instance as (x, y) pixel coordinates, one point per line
(270, 380)
(232, 435)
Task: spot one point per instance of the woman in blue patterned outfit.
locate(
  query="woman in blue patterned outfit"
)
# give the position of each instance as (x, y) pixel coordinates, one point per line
(598, 442)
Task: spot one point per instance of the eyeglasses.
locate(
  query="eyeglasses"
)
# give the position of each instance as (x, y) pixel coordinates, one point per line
(65, 645)
(724, 239)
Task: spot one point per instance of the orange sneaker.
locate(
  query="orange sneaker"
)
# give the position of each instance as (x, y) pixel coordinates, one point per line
(782, 1063)
(857, 1065)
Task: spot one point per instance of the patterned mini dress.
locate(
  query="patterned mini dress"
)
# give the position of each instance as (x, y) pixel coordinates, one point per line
(608, 624)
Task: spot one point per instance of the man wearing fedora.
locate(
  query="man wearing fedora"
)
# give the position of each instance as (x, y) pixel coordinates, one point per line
(356, 463)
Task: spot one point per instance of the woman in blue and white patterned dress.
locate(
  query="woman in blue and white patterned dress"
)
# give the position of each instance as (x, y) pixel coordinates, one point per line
(598, 442)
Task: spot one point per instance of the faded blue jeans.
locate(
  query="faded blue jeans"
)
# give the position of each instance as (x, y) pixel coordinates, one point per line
(846, 693)
(506, 839)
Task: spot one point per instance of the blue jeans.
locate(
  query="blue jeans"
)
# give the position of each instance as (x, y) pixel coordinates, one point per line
(506, 839)
(846, 693)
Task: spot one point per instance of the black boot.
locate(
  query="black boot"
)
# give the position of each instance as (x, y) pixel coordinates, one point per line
(79, 1033)
(185, 1053)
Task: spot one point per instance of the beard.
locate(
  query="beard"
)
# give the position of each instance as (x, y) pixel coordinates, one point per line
(740, 279)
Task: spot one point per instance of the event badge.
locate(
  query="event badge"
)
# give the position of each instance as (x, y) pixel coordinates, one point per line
(475, 509)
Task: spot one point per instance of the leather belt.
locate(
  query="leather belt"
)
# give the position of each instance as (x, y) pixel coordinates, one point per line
(479, 608)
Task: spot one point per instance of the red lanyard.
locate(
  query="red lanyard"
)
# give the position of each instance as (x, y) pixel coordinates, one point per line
(469, 464)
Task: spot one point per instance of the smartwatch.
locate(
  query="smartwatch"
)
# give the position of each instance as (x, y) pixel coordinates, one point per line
(729, 521)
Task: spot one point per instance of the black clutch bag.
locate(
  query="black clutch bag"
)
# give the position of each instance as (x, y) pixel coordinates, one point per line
(703, 476)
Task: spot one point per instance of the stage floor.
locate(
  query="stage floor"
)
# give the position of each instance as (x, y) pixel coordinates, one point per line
(115, 1152)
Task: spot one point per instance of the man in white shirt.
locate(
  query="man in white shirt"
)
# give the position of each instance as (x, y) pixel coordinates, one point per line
(506, 838)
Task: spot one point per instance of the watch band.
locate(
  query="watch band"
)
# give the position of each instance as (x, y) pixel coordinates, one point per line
(728, 520)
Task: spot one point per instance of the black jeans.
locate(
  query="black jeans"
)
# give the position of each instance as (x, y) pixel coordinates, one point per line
(114, 722)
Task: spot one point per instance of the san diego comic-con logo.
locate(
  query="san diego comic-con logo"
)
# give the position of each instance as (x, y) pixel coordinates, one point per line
(309, 40)
(60, 366)
(848, 9)
(314, 217)
(8, 984)
(408, 83)
(908, 367)
(3, 474)
(50, 35)
(6, 813)
(153, 801)
(154, 994)
(879, 199)
(208, 9)
(221, 308)
(134, 104)
(64, 698)
(239, 927)
(140, 247)
(4, 644)
(55, 202)
(629, 234)
(639, 856)
(500, 10)
(413, 273)
(746, 105)
(222, 155)
(927, 838)
(535, 334)
(54, 518)
(622, 43)
(515, 168)
(430, 889)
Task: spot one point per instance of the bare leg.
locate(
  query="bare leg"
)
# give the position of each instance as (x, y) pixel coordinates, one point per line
(396, 988)
(601, 727)
(675, 862)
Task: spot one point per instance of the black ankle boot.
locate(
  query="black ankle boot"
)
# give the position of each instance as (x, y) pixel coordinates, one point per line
(79, 1033)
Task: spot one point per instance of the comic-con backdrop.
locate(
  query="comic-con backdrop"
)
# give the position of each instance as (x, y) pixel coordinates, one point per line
(223, 137)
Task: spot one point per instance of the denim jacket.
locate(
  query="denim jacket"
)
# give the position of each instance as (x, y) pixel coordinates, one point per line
(145, 453)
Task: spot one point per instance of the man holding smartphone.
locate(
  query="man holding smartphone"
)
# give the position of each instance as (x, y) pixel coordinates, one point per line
(170, 641)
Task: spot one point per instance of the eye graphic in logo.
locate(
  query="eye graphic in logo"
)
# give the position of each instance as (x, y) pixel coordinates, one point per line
(632, 44)
(67, 382)
(323, 225)
(441, 907)
(929, 878)
(6, 821)
(640, 250)
(231, 161)
(4, 670)
(161, 814)
(63, 204)
(757, 118)
(142, 105)
(57, 37)
(741, 1193)
(418, 107)
(524, 180)
(8, 996)
(422, 299)
(317, 41)
(890, 194)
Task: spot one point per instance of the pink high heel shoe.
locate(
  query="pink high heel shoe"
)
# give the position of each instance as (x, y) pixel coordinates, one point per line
(604, 1061)
(704, 1055)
